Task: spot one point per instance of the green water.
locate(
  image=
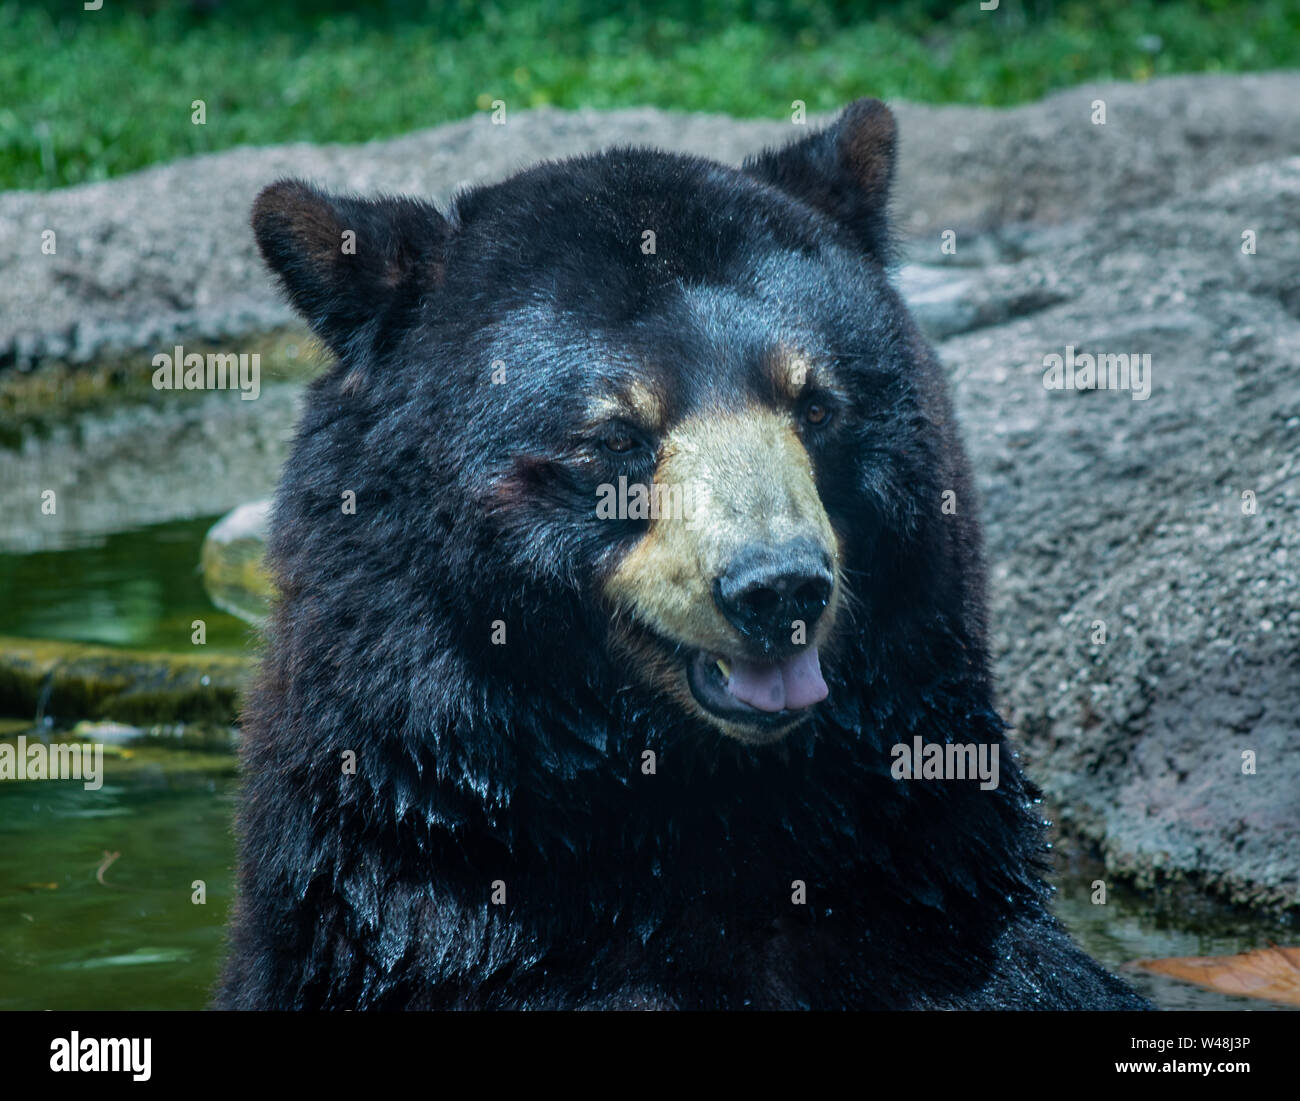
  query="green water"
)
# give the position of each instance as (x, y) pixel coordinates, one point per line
(139, 589)
(138, 940)
(1134, 925)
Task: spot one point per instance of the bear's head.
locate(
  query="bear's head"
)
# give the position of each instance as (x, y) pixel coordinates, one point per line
(634, 417)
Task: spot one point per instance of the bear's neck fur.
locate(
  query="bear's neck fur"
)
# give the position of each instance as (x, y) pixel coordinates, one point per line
(542, 788)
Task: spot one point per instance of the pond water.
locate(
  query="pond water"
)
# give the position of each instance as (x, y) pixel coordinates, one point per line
(130, 937)
(139, 589)
(83, 929)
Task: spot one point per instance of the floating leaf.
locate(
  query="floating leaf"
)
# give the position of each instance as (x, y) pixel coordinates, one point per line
(104, 865)
(1272, 973)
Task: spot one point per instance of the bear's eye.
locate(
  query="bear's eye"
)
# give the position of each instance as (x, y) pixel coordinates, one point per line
(816, 414)
(621, 442)
(626, 441)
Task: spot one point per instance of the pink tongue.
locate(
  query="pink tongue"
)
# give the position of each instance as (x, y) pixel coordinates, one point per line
(791, 684)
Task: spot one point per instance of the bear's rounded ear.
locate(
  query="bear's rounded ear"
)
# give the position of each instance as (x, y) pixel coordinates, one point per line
(345, 260)
(845, 171)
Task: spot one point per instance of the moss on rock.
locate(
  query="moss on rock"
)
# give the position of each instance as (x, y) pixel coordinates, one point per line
(78, 681)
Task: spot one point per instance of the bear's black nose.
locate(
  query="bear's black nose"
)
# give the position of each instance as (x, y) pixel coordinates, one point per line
(766, 591)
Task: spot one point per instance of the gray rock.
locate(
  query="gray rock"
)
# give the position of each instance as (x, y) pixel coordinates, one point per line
(232, 562)
(942, 300)
(139, 463)
(166, 253)
(1104, 508)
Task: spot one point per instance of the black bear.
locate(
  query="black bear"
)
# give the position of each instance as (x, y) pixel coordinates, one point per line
(630, 645)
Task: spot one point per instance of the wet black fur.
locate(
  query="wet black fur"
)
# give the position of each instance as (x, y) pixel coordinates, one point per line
(522, 763)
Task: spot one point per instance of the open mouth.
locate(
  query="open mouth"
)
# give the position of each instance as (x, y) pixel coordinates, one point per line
(768, 695)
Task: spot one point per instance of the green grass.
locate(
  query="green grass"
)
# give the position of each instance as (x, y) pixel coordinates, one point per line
(87, 95)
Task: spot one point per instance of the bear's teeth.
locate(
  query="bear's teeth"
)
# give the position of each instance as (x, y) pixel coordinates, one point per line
(724, 668)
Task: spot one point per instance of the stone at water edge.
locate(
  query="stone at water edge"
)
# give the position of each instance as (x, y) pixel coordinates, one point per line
(232, 562)
(74, 680)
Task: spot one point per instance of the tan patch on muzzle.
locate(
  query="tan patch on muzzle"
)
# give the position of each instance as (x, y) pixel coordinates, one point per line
(745, 479)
